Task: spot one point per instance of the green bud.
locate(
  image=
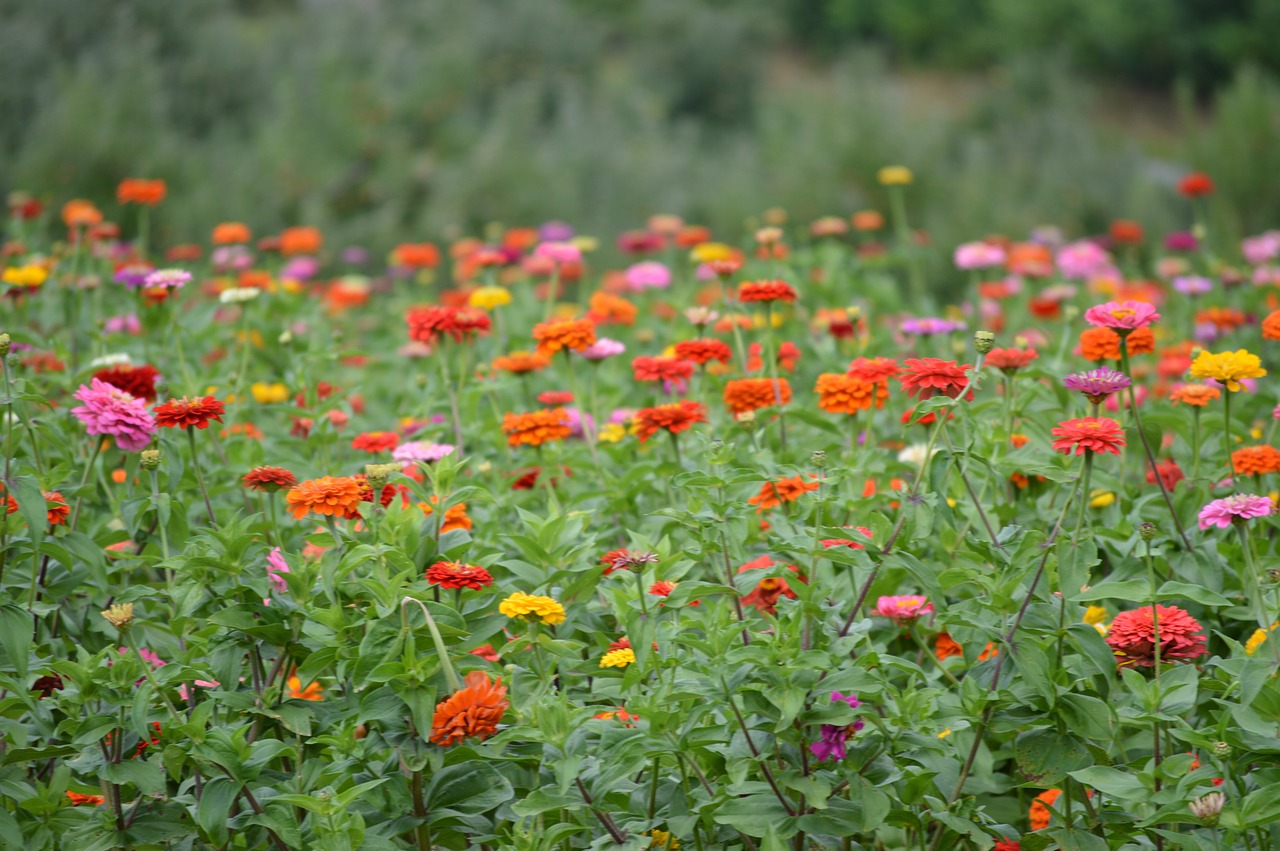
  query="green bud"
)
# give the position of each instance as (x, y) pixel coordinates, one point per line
(150, 459)
(5, 345)
(984, 341)
(1148, 531)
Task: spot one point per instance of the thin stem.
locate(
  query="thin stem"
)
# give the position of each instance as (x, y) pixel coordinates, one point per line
(764, 766)
(195, 465)
(1151, 456)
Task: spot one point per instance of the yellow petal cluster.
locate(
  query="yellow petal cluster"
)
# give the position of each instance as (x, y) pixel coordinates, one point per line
(1229, 368)
(531, 607)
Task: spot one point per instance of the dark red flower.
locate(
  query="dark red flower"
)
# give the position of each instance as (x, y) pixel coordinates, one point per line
(1196, 185)
(455, 574)
(137, 381)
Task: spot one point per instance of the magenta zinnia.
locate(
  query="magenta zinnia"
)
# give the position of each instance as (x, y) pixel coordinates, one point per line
(1122, 316)
(1237, 508)
(111, 411)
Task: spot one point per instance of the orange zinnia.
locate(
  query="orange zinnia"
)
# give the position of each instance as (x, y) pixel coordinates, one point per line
(422, 255)
(78, 212)
(1099, 344)
(537, 427)
(329, 495)
(766, 291)
(783, 490)
(1040, 814)
(1195, 395)
(1256, 460)
(750, 394)
(840, 394)
(704, 349)
(946, 647)
(576, 334)
(135, 190)
(606, 308)
(471, 712)
(1271, 326)
(231, 233)
(294, 689)
(56, 509)
(674, 418)
(300, 240)
(455, 516)
(522, 362)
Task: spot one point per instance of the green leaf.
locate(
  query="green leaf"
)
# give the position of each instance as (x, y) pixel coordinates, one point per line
(1044, 756)
(1088, 716)
(147, 776)
(214, 806)
(1112, 782)
(1186, 591)
(15, 637)
(1127, 589)
(31, 504)
(469, 787)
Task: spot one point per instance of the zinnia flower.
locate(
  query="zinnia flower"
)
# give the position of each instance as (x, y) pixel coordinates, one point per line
(1132, 637)
(574, 334)
(1009, 361)
(455, 574)
(530, 607)
(375, 441)
(1256, 640)
(1088, 434)
(1097, 384)
(420, 450)
(1195, 395)
(834, 736)
(769, 590)
(1255, 460)
(928, 377)
(1228, 368)
(295, 690)
(766, 291)
(522, 362)
(1040, 813)
(783, 490)
(706, 349)
(843, 394)
(137, 381)
(110, 411)
(428, 323)
(56, 509)
(618, 658)
(903, 609)
(473, 711)
(1122, 316)
(189, 413)
(1195, 185)
(269, 479)
(537, 427)
(329, 496)
(750, 394)
(1237, 508)
(661, 369)
(455, 516)
(675, 418)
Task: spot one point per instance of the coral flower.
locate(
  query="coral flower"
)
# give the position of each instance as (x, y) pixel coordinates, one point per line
(1100, 343)
(1237, 508)
(455, 574)
(1009, 361)
(575, 334)
(1040, 814)
(1132, 637)
(426, 324)
(661, 369)
(80, 213)
(522, 362)
(137, 381)
(421, 255)
(537, 427)
(110, 411)
(189, 413)
(1122, 316)
(56, 509)
(455, 516)
(376, 441)
(706, 349)
(532, 608)
(766, 291)
(135, 190)
(1195, 395)
(608, 309)
(473, 711)
(231, 233)
(675, 418)
(903, 609)
(1256, 460)
(764, 597)
(300, 240)
(842, 394)
(294, 689)
(945, 647)
(328, 495)
(1196, 185)
(783, 490)
(750, 394)
(78, 799)
(928, 377)
(1088, 434)
(269, 479)
(1228, 368)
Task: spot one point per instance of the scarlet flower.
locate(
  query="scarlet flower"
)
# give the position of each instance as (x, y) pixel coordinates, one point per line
(422, 255)
(1132, 637)
(706, 349)
(675, 418)
(1009, 361)
(269, 479)
(135, 190)
(1126, 232)
(460, 323)
(783, 490)
(56, 509)
(1197, 184)
(1008, 845)
(928, 377)
(945, 647)
(486, 652)
(300, 240)
(537, 427)
(328, 495)
(575, 334)
(1088, 434)
(455, 574)
(769, 590)
(137, 381)
(78, 799)
(473, 711)
(842, 394)
(766, 291)
(1168, 471)
(555, 398)
(750, 394)
(376, 441)
(1256, 460)
(188, 413)
(661, 369)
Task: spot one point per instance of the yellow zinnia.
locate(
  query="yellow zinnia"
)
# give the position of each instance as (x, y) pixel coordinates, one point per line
(663, 839)
(531, 607)
(708, 251)
(894, 175)
(267, 394)
(1255, 641)
(487, 298)
(1101, 499)
(618, 658)
(1095, 615)
(611, 433)
(29, 276)
(1228, 368)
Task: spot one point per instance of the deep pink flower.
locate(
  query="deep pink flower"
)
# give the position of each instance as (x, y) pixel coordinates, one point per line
(110, 411)
(903, 609)
(1236, 508)
(1122, 315)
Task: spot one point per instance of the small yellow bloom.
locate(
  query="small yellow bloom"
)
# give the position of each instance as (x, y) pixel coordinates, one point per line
(29, 276)
(708, 251)
(531, 607)
(487, 298)
(1257, 639)
(894, 175)
(267, 394)
(586, 243)
(663, 839)
(951, 501)
(291, 285)
(611, 433)
(1101, 498)
(1102, 628)
(618, 658)
(944, 733)
(566, 311)
(1228, 368)
(1255, 433)
(1094, 615)
(775, 320)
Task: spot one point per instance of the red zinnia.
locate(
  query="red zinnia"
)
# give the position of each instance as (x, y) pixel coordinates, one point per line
(1196, 184)
(1010, 361)
(455, 574)
(1088, 434)
(766, 594)
(675, 418)
(767, 291)
(1169, 471)
(929, 377)
(1132, 637)
(661, 369)
(137, 381)
(704, 350)
(269, 479)
(186, 412)
(427, 323)
(56, 508)
(555, 398)
(376, 441)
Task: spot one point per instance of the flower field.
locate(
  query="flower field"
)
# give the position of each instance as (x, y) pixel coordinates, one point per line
(538, 538)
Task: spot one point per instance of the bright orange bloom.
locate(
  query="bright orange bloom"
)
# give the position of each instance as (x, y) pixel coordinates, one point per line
(867, 220)
(188, 413)
(421, 255)
(1030, 259)
(608, 308)
(1256, 460)
(766, 291)
(1195, 395)
(80, 213)
(269, 479)
(522, 362)
(1099, 344)
(784, 490)
(473, 711)
(691, 235)
(674, 418)
(1271, 326)
(77, 799)
(294, 689)
(537, 427)
(1039, 813)
(1126, 232)
(300, 240)
(455, 516)
(840, 394)
(57, 510)
(750, 394)
(231, 233)
(946, 647)
(135, 190)
(661, 369)
(1222, 318)
(576, 334)
(704, 349)
(329, 495)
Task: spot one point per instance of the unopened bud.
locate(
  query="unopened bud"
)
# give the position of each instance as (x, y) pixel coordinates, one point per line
(984, 341)
(1148, 531)
(5, 345)
(150, 459)
(377, 474)
(12, 360)
(818, 459)
(1208, 808)
(120, 616)
(162, 387)
(1221, 750)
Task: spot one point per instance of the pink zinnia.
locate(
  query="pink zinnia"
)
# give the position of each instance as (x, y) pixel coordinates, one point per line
(978, 255)
(421, 450)
(903, 609)
(602, 348)
(558, 252)
(1122, 315)
(110, 411)
(1084, 259)
(1236, 508)
(648, 275)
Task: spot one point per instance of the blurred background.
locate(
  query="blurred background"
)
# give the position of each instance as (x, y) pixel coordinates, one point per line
(382, 121)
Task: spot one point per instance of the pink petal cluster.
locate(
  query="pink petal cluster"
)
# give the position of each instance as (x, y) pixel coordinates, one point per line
(1245, 506)
(1122, 315)
(558, 252)
(649, 275)
(603, 348)
(110, 411)
(1084, 259)
(421, 450)
(276, 568)
(903, 609)
(978, 255)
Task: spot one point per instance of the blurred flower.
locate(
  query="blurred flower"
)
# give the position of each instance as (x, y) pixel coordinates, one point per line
(1197, 184)
(167, 279)
(420, 450)
(674, 418)
(647, 275)
(1230, 368)
(978, 255)
(574, 334)
(775, 493)
(894, 175)
(536, 428)
(766, 291)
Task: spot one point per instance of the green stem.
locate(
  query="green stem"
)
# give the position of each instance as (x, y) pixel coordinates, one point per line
(450, 676)
(195, 465)
(1255, 580)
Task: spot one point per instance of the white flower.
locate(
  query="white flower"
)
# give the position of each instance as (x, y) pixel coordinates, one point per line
(116, 359)
(915, 454)
(235, 295)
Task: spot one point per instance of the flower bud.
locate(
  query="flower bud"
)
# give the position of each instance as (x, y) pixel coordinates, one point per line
(818, 459)
(1148, 531)
(984, 341)
(5, 345)
(377, 475)
(1222, 750)
(12, 360)
(1208, 808)
(162, 387)
(120, 616)
(150, 459)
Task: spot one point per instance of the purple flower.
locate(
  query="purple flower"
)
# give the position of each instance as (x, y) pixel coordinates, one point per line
(1180, 241)
(354, 255)
(1236, 508)
(108, 410)
(833, 736)
(555, 232)
(576, 419)
(1192, 284)
(421, 450)
(1097, 384)
(133, 275)
(169, 279)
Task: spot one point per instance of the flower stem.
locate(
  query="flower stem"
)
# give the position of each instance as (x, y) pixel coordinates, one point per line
(195, 465)
(1151, 456)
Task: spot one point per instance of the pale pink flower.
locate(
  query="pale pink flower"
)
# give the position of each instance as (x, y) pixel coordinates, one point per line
(1122, 315)
(978, 255)
(1261, 248)
(276, 568)
(422, 450)
(1084, 259)
(602, 348)
(903, 609)
(558, 252)
(169, 279)
(124, 324)
(1236, 508)
(111, 411)
(648, 275)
